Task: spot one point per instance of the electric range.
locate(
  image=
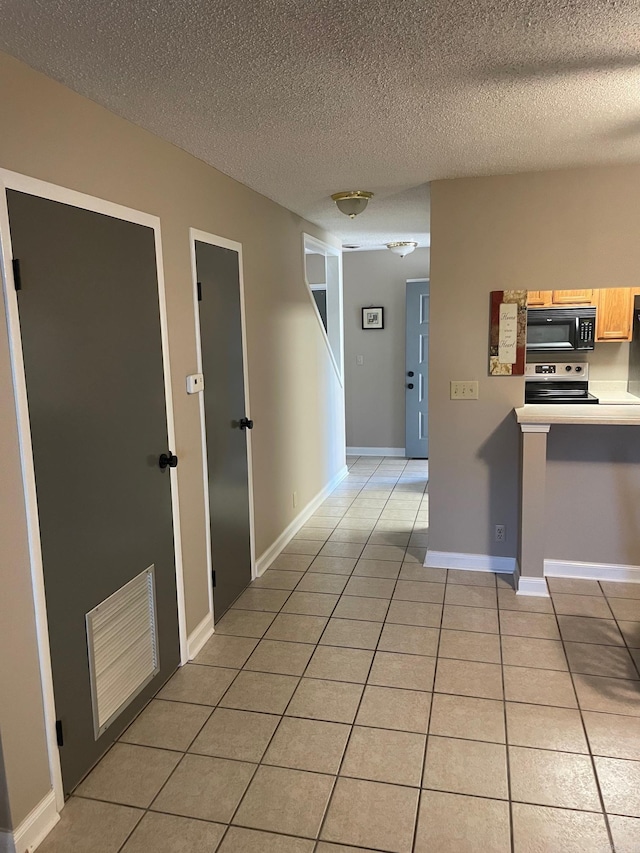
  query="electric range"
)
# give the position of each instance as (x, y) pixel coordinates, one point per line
(558, 382)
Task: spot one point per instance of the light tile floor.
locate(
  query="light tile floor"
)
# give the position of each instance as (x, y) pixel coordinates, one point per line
(353, 700)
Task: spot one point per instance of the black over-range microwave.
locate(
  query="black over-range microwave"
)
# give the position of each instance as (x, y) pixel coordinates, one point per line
(561, 329)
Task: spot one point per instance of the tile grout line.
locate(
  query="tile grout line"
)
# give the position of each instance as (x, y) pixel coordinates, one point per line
(426, 742)
(584, 730)
(353, 724)
(506, 730)
(636, 663)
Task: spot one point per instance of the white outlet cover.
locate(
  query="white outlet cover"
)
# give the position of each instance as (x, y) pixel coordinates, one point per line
(195, 383)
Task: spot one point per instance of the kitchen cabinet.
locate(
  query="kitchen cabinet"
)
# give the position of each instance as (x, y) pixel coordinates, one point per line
(615, 314)
(538, 298)
(571, 297)
(549, 298)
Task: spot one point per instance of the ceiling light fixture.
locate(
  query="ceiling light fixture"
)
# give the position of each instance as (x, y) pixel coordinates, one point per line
(402, 247)
(352, 202)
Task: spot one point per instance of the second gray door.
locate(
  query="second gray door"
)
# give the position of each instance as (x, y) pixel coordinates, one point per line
(417, 369)
(226, 424)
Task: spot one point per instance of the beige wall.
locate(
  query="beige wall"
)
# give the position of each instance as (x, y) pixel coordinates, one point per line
(374, 392)
(53, 134)
(567, 229)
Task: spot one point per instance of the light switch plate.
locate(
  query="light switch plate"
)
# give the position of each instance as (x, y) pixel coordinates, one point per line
(359, 360)
(195, 383)
(464, 389)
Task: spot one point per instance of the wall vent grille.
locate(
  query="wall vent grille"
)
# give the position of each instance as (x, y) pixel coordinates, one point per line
(122, 640)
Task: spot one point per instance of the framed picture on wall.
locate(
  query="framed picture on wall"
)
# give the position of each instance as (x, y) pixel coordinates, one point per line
(373, 318)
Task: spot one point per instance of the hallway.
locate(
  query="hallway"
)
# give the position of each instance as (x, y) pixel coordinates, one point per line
(355, 697)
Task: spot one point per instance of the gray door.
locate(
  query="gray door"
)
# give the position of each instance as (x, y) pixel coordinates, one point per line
(417, 369)
(90, 326)
(218, 274)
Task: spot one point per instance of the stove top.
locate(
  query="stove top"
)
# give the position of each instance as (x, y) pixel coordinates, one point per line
(558, 382)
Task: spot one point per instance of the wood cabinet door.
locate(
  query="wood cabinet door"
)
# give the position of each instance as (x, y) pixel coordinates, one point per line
(572, 297)
(615, 314)
(538, 298)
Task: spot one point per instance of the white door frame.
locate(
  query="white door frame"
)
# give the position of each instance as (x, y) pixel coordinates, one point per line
(42, 189)
(223, 243)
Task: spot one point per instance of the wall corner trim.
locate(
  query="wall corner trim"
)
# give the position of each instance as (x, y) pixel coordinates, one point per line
(591, 571)
(375, 451)
(470, 562)
(264, 561)
(33, 829)
(199, 636)
(532, 586)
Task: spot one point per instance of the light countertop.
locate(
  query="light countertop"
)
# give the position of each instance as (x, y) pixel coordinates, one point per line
(606, 414)
(614, 393)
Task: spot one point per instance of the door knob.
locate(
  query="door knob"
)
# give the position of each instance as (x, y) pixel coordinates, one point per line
(246, 423)
(168, 461)
(410, 385)
(410, 373)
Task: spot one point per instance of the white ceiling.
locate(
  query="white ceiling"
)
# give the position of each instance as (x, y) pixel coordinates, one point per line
(302, 98)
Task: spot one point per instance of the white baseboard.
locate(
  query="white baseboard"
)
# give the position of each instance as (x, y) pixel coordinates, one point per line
(375, 451)
(264, 561)
(199, 636)
(591, 571)
(33, 829)
(532, 586)
(470, 562)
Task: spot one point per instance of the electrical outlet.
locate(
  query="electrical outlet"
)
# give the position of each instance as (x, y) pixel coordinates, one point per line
(294, 498)
(464, 390)
(501, 532)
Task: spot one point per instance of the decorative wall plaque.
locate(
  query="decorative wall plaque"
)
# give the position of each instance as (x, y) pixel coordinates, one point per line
(508, 336)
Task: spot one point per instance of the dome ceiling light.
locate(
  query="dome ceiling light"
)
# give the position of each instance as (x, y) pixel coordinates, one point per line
(402, 247)
(352, 202)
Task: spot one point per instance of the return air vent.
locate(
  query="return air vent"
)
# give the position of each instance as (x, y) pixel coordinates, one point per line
(122, 639)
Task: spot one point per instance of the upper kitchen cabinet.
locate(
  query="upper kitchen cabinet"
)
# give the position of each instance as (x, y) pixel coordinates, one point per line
(615, 313)
(571, 297)
(549, 298)
(538, 298)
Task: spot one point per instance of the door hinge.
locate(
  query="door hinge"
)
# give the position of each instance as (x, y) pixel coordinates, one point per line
(213, 575)
(17, 278)
(59, 733)
(199, 291)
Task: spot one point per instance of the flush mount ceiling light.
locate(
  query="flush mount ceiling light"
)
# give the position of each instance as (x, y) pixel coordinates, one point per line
(402, 247)
(352, 202)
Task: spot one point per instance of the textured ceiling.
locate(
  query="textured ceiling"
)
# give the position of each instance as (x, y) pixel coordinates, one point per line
(302, 98)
